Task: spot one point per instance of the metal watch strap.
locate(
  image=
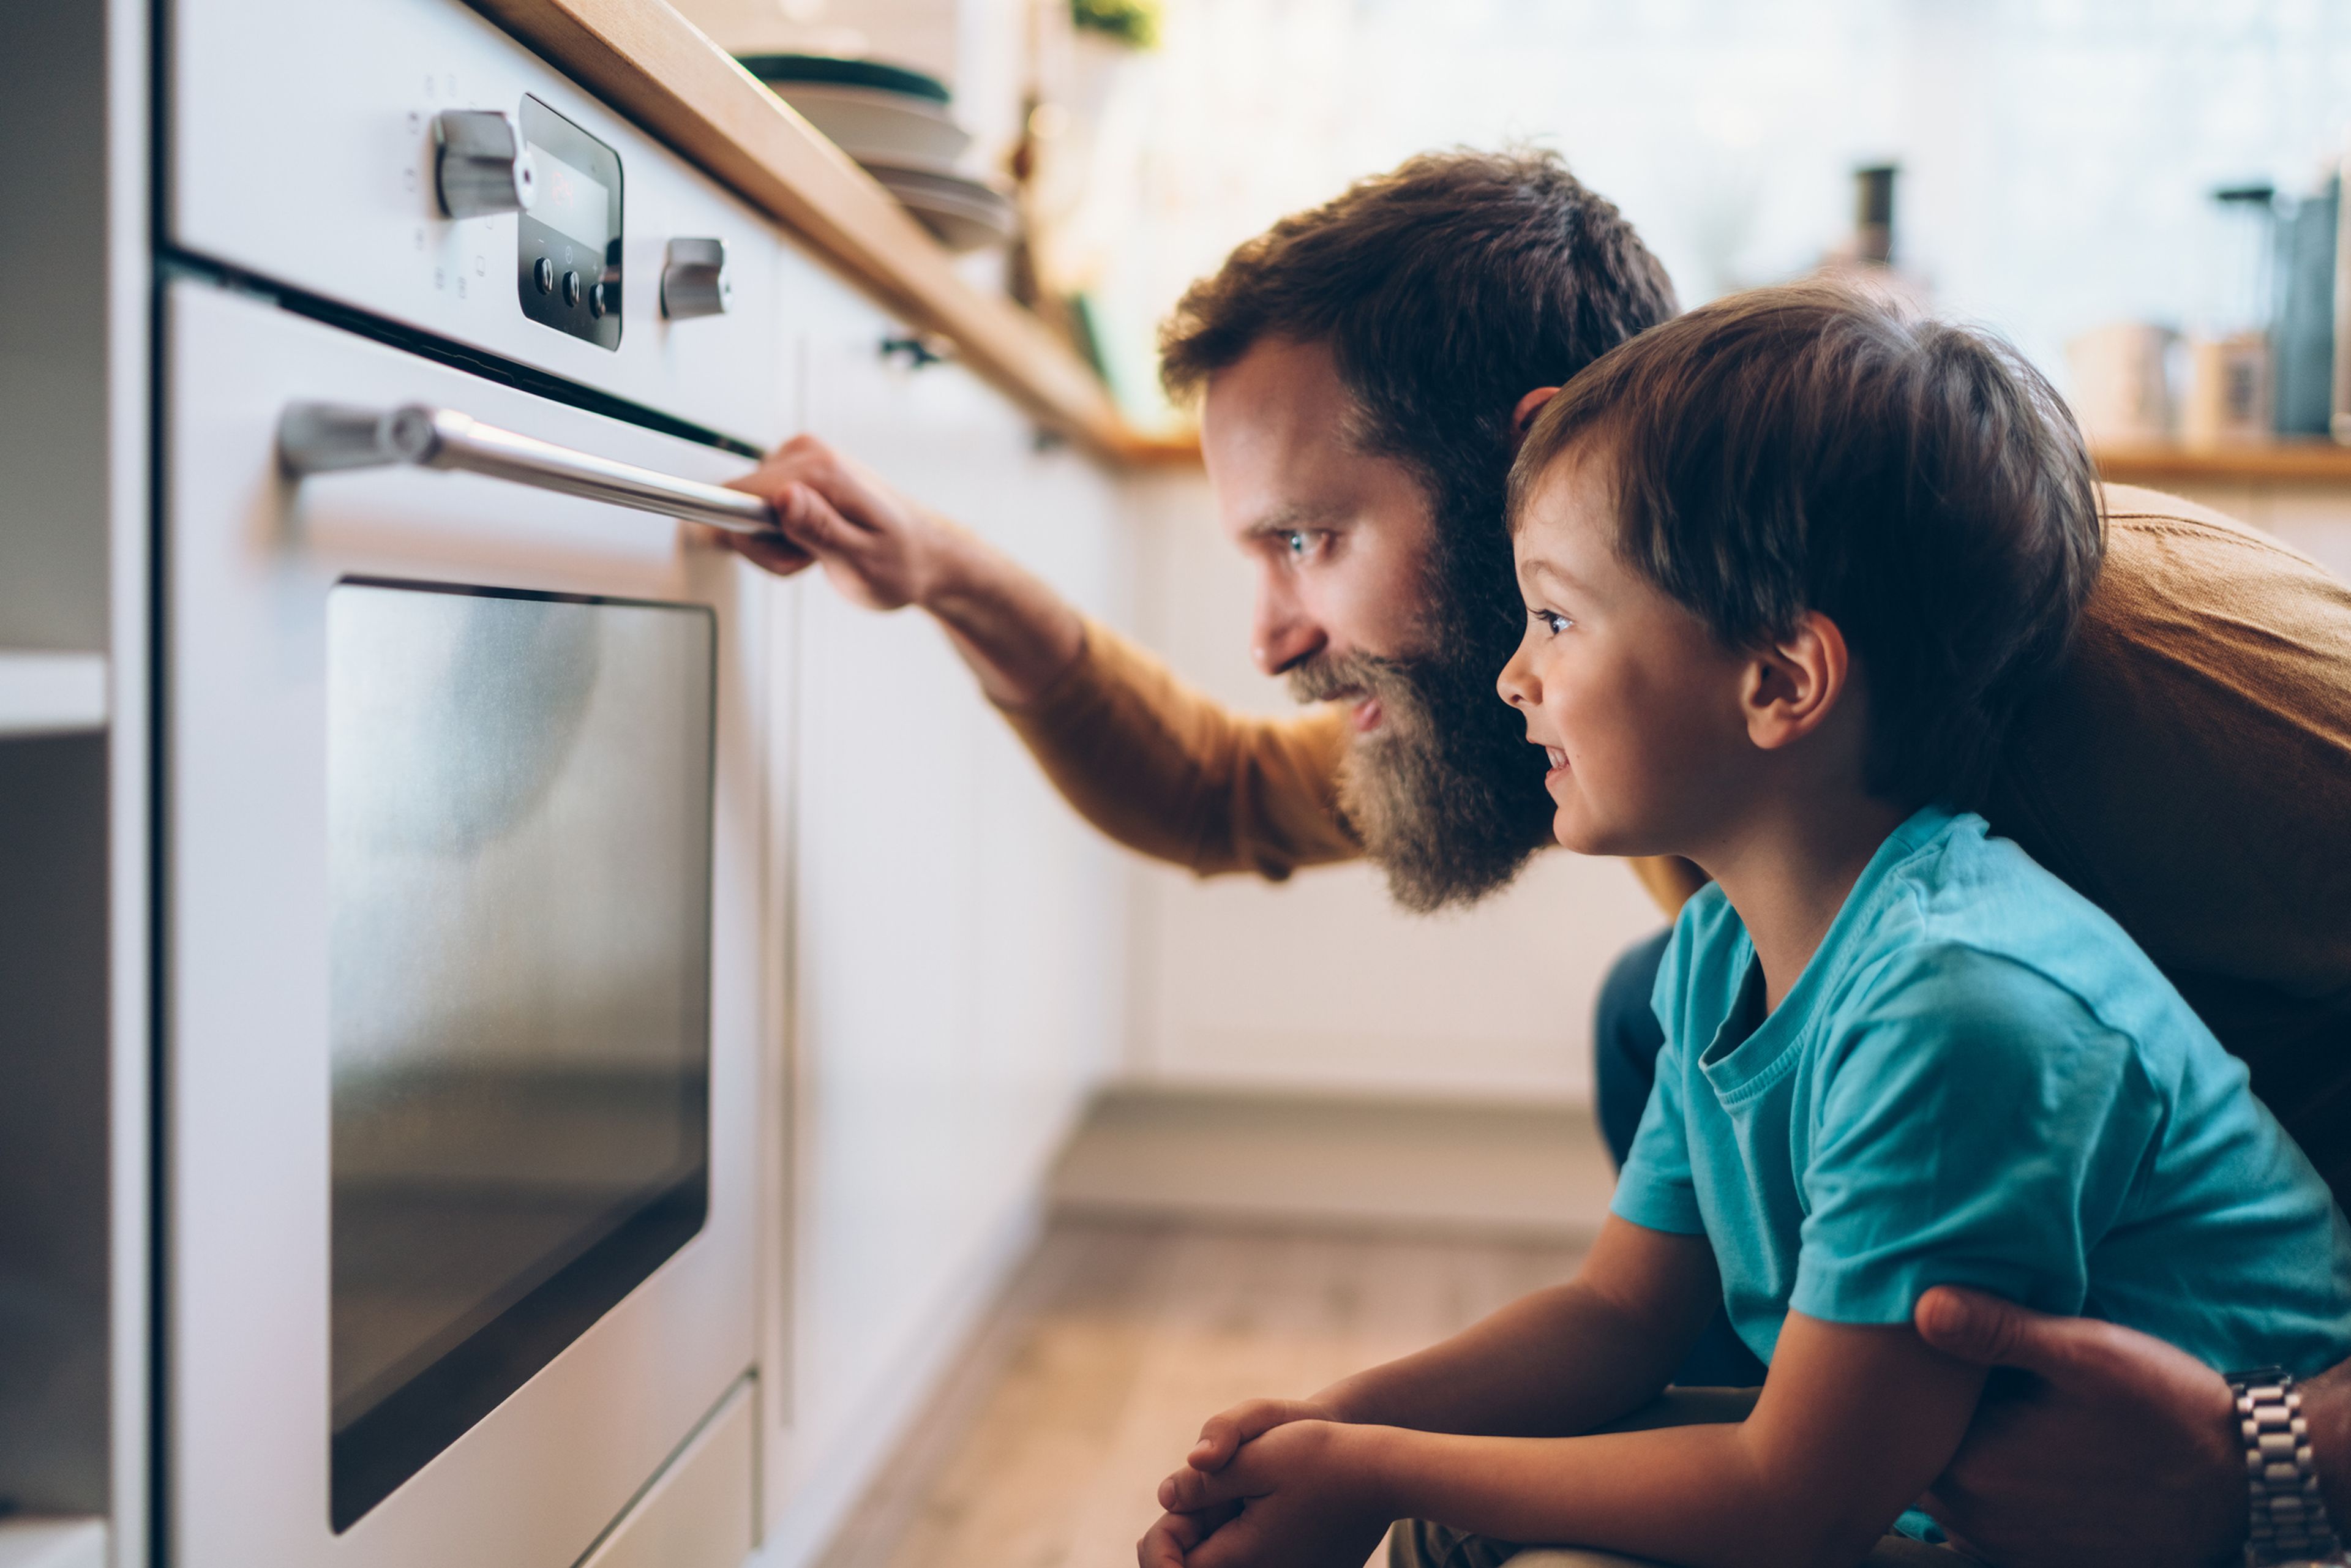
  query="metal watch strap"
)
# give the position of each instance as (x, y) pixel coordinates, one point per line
(2289, 1522)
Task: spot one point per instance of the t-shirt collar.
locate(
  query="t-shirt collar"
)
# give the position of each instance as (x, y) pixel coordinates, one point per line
(1740, 1068)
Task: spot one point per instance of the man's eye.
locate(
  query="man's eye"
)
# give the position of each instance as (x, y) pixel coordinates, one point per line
(1299, 543)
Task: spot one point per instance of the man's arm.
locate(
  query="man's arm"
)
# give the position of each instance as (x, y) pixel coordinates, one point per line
(1151, 762)
(2105, 1445)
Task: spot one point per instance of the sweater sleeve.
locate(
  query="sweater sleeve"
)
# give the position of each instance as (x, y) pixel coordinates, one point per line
(1166, 770)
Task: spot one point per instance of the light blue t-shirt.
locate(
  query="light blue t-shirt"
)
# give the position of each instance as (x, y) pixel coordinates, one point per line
(1978, 1079)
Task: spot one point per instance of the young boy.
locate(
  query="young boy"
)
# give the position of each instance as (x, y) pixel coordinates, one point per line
(1788, 561)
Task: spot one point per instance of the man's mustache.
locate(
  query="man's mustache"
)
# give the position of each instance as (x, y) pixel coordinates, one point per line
(1328, 676)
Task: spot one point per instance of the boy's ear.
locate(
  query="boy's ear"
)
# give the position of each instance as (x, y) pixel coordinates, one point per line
(1793, 685)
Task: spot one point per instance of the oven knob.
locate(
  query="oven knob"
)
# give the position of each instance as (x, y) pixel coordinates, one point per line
(695, 280)
(481, 163)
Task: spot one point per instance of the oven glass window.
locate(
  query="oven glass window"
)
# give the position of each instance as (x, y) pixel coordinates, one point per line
(519, 822)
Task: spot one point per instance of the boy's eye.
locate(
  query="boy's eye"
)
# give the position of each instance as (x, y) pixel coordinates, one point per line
(1551, 620)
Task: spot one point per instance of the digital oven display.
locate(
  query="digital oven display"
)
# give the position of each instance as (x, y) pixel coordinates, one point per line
(572, 202)
(567, 243)
(518, 820)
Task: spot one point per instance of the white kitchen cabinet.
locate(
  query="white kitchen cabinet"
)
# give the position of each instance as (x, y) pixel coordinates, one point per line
(959, 933)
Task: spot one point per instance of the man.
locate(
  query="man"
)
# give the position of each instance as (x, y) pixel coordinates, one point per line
(1367, 368)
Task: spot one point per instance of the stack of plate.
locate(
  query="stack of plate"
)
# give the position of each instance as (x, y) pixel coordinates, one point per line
(894, 121)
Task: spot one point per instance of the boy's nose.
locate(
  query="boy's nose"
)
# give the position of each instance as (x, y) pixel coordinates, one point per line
(1514, 685)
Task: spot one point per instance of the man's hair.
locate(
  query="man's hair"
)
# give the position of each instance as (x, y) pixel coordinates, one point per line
(1446, 290)
(1816, 448)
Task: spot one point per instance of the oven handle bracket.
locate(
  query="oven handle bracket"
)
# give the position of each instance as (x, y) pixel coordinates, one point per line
(322, 437)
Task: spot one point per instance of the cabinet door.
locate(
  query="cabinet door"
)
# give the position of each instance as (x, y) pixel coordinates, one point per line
(960, 934)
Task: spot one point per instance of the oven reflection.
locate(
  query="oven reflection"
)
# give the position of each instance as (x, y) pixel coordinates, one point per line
(519, 793)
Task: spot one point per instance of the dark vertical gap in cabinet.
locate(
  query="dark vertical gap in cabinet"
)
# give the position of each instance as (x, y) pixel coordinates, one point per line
(55, 1342)
(55, 1223)
(158, 1510)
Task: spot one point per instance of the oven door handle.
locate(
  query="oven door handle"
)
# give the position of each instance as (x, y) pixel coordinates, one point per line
(321, 437)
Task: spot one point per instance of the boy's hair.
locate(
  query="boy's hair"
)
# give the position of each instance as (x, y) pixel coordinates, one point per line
(1815, 448)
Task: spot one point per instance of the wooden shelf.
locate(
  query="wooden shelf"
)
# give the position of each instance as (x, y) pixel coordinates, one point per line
(1178, 449)
(2311, 462)
(51, 694)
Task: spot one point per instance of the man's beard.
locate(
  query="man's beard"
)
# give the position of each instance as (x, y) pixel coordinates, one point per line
(1446, 794)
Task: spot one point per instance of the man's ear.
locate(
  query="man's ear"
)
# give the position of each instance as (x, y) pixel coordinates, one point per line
(1792, 685)
(1524, 414)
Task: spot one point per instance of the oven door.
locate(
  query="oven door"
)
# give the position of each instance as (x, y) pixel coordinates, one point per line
(462, 841)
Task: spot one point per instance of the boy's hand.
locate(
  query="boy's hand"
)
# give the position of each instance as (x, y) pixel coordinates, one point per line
(1308, 1496)
(2115, 1447)
(1222, 1435)
(1166, 1543)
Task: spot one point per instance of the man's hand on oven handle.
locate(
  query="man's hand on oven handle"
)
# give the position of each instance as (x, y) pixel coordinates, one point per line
(884, 552)
(2101, 1445)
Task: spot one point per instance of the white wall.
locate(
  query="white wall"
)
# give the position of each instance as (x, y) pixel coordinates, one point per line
(1321, 983)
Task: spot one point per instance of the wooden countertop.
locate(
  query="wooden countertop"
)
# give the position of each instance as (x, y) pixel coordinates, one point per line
(655, 66)
(2310, 462)
(2306, 461)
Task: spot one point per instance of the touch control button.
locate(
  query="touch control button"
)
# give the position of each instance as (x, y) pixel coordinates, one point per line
(596, 301)
(542, 272)
(571, 288)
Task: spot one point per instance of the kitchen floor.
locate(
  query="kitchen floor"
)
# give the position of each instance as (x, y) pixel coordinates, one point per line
(1117, 1339)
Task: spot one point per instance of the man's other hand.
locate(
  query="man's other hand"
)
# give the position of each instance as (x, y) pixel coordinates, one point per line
(2103, 1446)
(880, 549)
(884, 552)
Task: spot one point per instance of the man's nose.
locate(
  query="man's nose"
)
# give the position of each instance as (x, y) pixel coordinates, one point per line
(1283, 636)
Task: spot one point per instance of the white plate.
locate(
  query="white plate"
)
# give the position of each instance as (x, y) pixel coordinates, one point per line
(965, 213)
(869, 124)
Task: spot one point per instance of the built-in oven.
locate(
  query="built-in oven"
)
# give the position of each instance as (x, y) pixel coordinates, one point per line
(461, 813)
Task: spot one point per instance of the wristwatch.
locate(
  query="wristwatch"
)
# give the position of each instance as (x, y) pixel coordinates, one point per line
(2288, 1517)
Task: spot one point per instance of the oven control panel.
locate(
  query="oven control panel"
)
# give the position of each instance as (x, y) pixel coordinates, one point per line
(567, 240)
(456, 183)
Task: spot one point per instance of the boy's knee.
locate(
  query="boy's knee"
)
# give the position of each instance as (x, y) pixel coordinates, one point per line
(1416, 1543)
